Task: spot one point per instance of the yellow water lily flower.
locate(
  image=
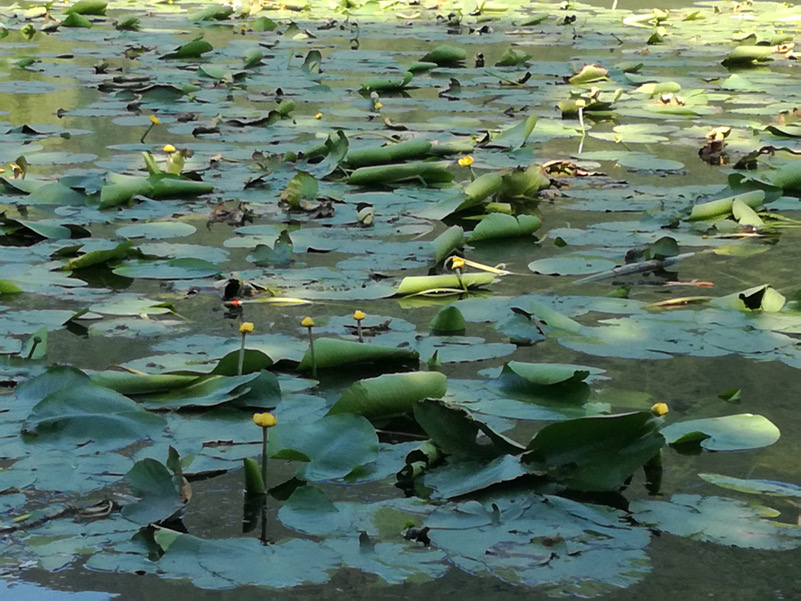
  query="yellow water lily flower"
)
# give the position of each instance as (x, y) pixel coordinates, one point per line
(169, 148)
(465, 161)
(457, 262)
(265, 420)
(378, 106)
(660, 409)
(318, 116)
(307, 322)
(246, 327)
(359, 315)
(155, 120)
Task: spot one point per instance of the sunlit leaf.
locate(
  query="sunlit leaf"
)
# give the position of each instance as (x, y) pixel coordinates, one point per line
(729, 433)
(390, 395)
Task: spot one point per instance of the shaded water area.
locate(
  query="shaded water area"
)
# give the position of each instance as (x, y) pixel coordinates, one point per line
(116, 251)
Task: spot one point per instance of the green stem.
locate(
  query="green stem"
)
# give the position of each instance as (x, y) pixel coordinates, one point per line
(147, 131)
(311, 351)
(241, 356)
(264, 456)
(38, 339)
(359, 330)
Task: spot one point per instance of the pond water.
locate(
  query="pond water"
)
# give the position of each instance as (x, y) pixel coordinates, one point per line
(116, 251)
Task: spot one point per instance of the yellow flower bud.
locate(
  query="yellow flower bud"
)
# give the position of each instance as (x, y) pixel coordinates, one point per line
(307, 322)
(359, 315)
(246, 327)
(457, 262)
(580, 102)
(318, 116)
(169, 148)
(265, 420)
(659, 409)
(465, 161)
(154, 120)
(378, 105)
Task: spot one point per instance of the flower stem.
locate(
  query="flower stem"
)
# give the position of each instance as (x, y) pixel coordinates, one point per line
(241, 364)
(311, 351)
(147, 131)
(264, 456)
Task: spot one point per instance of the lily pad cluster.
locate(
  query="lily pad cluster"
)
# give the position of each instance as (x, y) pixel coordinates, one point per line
(516, 232)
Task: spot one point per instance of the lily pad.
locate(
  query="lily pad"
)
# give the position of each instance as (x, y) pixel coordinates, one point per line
(729, 433)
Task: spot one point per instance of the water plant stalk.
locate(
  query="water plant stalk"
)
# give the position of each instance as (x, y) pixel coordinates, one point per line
(244, 329)
(308, 323)
(359, 316)
(154, 121)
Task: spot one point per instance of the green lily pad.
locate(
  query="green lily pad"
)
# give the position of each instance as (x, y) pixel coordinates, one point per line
(548, 374)
(766, 487)
(716, 519)
(88, 412)
(390, 395)
(333, 446)
(158, 489)
(331, 352)
(498, 225)
(171, 269)
(596, 453)
(157, 230)
(729, 433)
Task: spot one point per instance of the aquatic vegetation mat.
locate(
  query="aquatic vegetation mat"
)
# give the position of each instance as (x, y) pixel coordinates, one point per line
(389, 271)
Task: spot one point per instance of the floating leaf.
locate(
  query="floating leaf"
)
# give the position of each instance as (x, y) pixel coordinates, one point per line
(417, 148)
(547, 374)
(390, 395)
(766, 487)
(596, 453)
(387, 84)
(158, 489)
(227, 563)
(745, 55)
(426, 172)
(157, 230)
(729, 433)
(723, 206)
(513, 137)
(554, 543)
(192, 49)
(512, 58)
(87, 412)
(454, 431)
(448, 320)
(212, 13)
(498, 225)
(88, 7)
(716, 519)
(334, 446)
(206, 391)
(445, 56)
(332, 352)
(589, 74)
(171, 269)
(447, 242)
(417, 284)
